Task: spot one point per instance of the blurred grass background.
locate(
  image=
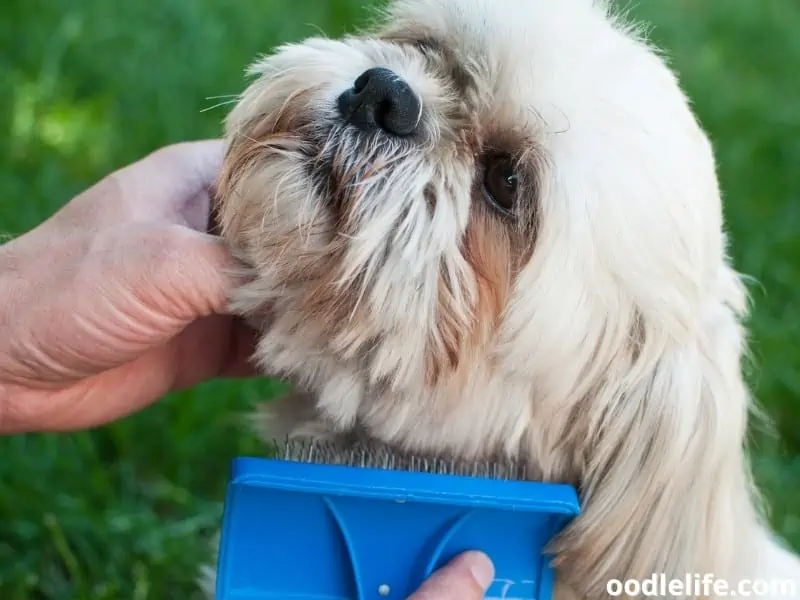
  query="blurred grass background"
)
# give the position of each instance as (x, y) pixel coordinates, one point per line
(87, 86)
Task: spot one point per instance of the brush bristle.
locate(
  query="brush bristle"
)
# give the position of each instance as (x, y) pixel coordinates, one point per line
(381, 457)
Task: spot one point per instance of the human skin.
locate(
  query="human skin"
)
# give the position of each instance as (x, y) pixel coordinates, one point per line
(120, 298)
(466, 577)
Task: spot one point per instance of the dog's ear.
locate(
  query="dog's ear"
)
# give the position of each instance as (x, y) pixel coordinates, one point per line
(664, 481)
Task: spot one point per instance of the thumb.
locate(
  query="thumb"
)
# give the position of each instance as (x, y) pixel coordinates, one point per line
(467, 577)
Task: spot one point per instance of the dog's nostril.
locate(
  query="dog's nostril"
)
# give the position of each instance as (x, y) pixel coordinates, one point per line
(362, 81)
(381, 99)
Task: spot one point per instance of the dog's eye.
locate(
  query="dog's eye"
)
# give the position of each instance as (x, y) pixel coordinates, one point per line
(500, 181)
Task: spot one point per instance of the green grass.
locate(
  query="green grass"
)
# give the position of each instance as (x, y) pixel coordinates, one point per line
(90, 85)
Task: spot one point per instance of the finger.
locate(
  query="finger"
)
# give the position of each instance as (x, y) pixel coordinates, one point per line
(467, 577)
(174, 184)
(197, 161)
(200, 352)
(88, 402)
(217, 346)
(194, 275)
(240, 361)
(197, 164)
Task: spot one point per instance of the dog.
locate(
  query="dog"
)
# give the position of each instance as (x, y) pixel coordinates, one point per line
(486, 229)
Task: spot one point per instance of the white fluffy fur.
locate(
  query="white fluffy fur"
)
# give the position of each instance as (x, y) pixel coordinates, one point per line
(614, 359)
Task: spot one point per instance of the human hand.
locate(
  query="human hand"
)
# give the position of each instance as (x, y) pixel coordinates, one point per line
(466, 577)
(118, 298)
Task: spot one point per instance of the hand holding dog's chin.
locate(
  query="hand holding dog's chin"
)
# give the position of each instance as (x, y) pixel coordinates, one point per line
(118, 298)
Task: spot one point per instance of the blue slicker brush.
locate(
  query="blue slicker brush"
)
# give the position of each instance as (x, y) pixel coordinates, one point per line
(322, 522)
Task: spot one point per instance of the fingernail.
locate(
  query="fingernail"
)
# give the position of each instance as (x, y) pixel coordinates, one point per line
(481, 568)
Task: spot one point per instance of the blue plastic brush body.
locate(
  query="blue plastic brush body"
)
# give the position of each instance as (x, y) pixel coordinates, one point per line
(305, 531)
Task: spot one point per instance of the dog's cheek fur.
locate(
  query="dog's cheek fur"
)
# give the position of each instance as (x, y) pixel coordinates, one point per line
(489, 249)
(466, 320)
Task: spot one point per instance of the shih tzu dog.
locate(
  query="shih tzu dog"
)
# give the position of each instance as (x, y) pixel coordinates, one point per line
(494, 229)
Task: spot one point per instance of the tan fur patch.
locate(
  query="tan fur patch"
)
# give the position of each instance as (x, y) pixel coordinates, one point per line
(491, 251)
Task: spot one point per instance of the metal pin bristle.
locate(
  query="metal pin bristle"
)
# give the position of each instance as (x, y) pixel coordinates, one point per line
(360, 454)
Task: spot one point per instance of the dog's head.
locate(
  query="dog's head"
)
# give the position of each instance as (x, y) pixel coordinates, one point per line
(490, 227)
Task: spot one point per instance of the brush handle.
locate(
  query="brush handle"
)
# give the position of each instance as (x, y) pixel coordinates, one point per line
(323, 532)
(392, 550)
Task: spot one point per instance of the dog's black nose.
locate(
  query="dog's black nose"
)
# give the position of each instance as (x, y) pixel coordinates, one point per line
(380, 98)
